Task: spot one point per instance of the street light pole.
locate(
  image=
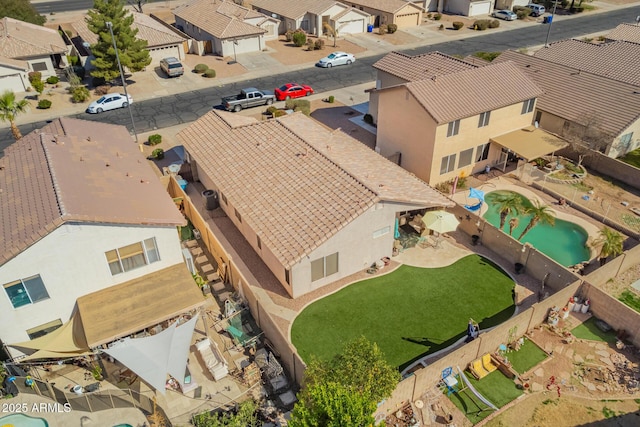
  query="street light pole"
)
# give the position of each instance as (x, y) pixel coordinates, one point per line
(553, 13)
(124, 83)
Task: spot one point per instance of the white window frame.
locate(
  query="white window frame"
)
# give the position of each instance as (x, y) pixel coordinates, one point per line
(482, 151)
(484, 119)
(150, 254)
(469, 153)
(326, 272)
(453, 128)
(451, 164)
(528, 106)
(24, 283)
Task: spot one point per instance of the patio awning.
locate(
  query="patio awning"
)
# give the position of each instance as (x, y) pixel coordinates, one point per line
(132, 306)
(530, 142)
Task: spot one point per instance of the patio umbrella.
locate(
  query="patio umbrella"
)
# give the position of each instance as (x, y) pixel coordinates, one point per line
(440, 221)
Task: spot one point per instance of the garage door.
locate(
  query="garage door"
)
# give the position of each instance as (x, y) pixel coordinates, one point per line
(478, 8)
(409, 20)
(12, 83)
(165, 52)
(351, 27)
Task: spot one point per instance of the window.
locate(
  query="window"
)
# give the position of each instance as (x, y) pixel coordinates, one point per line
(465, 158)
(381, 232)
(238, 215)
(26, 291)
(39, 66)
(482, 152)
(448, 164)
(453, 128)
(133, 256)
(484, 119)
(42, 330)
(323, 267)
(527, 106)
(625, 140)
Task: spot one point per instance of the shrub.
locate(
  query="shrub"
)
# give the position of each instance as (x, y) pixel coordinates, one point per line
(73, 60)
(200, 68)
(210, 73)
(310, 45)
(98, 81)
(441, 27)
(102, 90)
(331, 99)
(319, 44)
(69, 33)
(43, 104)
(481, 24)
(271, 109)
(279, 113)
(299, 38)
(52, 80)
(35, 75)
(521, 11)
(494, 23)
(79, 94)
(299, 105)
(382, 29)
(155, 139)
(158, 154)
(392, 28)
(437, 16)
(457, 25)
(38, 85)
(368, 119)
(288, 36)
(429, 15)
(79, 71)
(487, 56)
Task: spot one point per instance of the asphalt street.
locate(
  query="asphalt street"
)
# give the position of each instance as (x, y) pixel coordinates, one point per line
(186, 107)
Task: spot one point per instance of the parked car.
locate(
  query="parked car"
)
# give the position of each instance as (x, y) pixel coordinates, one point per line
(171, 66)
(292, 90)
(110, 101)
(247, 98)
(507, 15)
(536, 9)
(336, 58)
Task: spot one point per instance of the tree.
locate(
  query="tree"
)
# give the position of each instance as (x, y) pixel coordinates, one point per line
(10, 108)
(508, 203)
(21, 10)
(245, 416)
(132, 51)
(539, 214)
(137, 4)
(611, 243)
(330, 31)
(586, 137)
(513, 223)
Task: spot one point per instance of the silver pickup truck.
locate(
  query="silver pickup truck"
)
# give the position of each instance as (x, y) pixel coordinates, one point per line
(247, 98)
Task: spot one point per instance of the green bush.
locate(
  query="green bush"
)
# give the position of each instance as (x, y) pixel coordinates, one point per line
(392, 28)
(299, 38)
(52, 80)
(271, 109)
(200, 68)
(210, 73)
(79, 94)
(494, 23)
(298, 105)
(521, 11)
(73, 60)
(43, 104)
(331, 99)
(487, 56)
(481, 24)
(34, 76)
(158, 154)
(368, 119)
(38, 85)
(155, 139)
(319, 44)
(279, 113)
(457, 25)
(437, 16)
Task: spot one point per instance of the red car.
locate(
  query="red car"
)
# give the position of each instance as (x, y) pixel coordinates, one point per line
(292, 90)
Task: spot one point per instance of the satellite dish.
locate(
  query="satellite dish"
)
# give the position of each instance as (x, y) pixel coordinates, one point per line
(536, 124)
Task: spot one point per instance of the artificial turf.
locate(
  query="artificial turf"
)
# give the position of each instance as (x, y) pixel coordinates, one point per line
(588, 330)
(528, 356)
(409, 312)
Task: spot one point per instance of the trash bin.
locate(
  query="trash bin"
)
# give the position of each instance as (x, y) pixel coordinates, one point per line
(369, 28)
(210, 199)
(549, 19)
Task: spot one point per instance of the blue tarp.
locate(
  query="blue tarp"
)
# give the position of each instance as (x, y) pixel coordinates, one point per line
(474, 193)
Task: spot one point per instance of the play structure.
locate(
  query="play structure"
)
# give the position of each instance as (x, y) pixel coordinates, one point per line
(483, 366)
(468, 386)
(459, 383)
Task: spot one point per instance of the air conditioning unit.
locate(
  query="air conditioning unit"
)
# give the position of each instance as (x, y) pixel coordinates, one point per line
(188, 259)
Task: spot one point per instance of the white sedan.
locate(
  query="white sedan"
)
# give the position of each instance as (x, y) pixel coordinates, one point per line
(337, 58)
(110, 101)
(507, 15)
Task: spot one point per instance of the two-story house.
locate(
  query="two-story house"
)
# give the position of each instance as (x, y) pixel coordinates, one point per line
(87, 233)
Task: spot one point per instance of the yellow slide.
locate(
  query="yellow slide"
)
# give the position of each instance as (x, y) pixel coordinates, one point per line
(478, 370)
(487, 363)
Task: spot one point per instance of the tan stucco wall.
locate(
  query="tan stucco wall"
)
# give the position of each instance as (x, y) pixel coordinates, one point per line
(383, 80)
(615, 150)
(551, 122)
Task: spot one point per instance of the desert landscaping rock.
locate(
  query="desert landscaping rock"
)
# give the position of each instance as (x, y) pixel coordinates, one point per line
(602, 353)
(569, 353)
(536, 387)
(578, 359)
(539, 372)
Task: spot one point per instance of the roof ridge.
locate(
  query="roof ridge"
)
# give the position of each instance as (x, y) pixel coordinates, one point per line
(54, 180)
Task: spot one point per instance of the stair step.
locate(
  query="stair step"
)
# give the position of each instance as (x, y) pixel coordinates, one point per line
(206, 268)
(202, 259)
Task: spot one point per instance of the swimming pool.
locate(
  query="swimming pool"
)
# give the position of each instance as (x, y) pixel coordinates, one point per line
(20, 420)
(565, 242)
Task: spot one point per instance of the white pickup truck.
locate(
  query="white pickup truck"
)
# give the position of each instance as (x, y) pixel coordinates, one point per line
(247, 98)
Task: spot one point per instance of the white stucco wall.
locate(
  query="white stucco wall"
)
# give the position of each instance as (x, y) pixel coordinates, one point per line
(50, 71)
(13, 80)
(71, 262)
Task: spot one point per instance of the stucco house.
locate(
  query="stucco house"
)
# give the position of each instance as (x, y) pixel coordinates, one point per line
(610, 107)
(314, 204)
(626, 32)
(312, 15)
(402, 13)
(449, 125)
(87, 239)
(26, 47)
(225, 28)
(162, 40)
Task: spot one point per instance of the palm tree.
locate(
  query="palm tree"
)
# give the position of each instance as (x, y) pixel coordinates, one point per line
(539, 213)
(508, 203)
(513, 223)
(10, 108)
(610, 243)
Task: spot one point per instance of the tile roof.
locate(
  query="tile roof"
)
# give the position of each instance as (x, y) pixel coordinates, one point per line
(573, 94)
(294, 181)
(294, 9)
(14, 63)
(618, 60)
(23, 40)
(467, 93)
(420, 67)
(76, 171)
(148, 28)
(220, 18)
(626, 32)
(390, 6)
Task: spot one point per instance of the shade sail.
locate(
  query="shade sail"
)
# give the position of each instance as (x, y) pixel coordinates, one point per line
(153, 357)
(476, 194)
(440, 221)
(530, 142)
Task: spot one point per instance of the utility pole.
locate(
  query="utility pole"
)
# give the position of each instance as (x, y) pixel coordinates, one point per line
(553, 13)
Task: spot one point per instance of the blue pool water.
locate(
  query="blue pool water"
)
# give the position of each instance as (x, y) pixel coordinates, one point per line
(20, 420)
(565, 242)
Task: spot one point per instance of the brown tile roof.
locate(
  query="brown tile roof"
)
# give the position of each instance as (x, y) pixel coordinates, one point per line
(295, 182)
(626, 32)
(467, 93)
(294, 9)
(23, 40)
(418, 67)
(573, 94)
(619, 60)
(14, 63)
(76, 171)
(390, 6)
(221, 19)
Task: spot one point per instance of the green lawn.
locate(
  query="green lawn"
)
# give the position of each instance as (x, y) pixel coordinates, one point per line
(495, 387)
(527, 357)
(632, 158)
(409, 312)
(630, 299)
(589, 331)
